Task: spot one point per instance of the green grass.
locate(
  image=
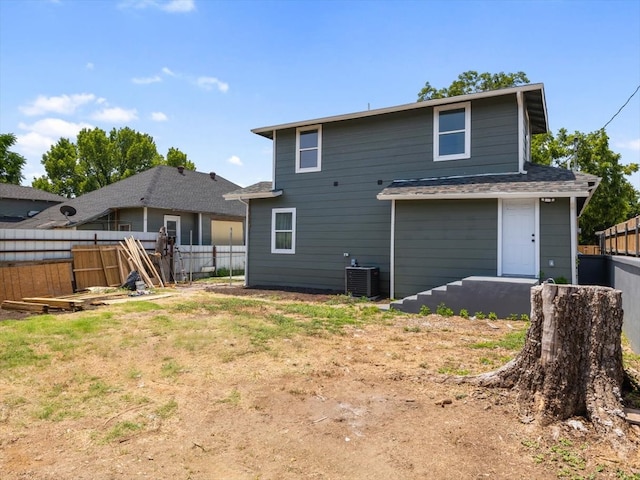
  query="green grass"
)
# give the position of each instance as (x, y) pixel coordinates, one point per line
(123, 429)
(167, 410)
(32, 342)
(510, 341)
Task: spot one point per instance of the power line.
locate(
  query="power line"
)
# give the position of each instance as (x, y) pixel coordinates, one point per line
(625, 104)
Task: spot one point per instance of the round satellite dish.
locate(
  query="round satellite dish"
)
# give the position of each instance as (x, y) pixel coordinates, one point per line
(67, 210)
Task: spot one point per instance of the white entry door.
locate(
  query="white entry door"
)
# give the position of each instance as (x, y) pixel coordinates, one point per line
(172, 226)
(519, 242)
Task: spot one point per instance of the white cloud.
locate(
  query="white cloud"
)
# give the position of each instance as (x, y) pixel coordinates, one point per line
(178, 6)
(115, 115)
(44, 133)
(170, 6)
(159, 117)
(55, 127)
(208, 83)
(146, 80)
(166, 71)
(630, 145)
(89, 66)
(64, 104)
(235, 160)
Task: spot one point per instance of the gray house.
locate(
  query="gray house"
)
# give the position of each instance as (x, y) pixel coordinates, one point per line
(429, 193)
(189, 204)
(18, 203)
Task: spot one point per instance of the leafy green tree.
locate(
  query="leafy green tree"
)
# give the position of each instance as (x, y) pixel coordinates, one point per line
(63, 173)
(96, 160)
(176, 158)
(11, 163)
(473, 82)
(615, 200)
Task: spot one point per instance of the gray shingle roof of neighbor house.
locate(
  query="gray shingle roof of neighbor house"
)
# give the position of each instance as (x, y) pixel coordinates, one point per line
(19, 192)
(161, 187)
(257, 190)
(533, 98)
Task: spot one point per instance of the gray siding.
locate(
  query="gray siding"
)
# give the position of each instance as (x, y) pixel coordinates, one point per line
(555, 239)
(337, 209)
(11, 207)
(438, 242)
(322, 239)
(155, 220)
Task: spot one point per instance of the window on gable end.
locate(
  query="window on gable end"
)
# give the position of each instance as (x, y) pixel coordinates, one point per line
(283, 230)
(308, 149)
(452, 131)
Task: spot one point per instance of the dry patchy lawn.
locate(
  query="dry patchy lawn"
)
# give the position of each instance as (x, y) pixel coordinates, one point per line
(243, 384)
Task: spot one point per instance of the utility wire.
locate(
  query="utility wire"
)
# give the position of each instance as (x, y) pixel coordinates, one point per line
(625, 104)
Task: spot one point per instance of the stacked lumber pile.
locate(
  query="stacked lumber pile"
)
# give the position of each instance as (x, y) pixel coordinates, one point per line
(42, 304)
(110, 265)
(93, 266)
(139, 260)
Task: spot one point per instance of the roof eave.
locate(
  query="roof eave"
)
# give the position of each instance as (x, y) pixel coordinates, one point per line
(268, 131)
(482, 195)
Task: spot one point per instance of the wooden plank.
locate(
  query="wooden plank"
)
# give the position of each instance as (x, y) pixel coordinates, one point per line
(149, 263)
(24, 306)
(62, 303)
(632, 415)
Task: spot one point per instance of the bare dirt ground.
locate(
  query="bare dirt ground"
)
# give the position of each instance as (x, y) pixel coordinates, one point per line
(366, 404)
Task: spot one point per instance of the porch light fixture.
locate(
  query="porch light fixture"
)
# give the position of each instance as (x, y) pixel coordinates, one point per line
(547, 200)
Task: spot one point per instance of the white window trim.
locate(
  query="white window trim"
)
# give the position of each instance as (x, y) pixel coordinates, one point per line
(318, 167)
(467, 132)
(293, 230)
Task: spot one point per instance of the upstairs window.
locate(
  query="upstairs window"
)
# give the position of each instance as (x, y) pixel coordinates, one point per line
(283, 230)
(452, 132)
(308, 149)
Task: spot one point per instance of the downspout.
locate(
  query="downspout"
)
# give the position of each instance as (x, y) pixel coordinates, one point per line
(246, 245)
(144, 219)
(499, 242)
(273, 164)
(573, 221)
(200, 228)
(521, 136)
(392, 255)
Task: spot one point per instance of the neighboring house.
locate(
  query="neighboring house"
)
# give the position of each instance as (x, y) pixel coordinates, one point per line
(429, 192)
(190, 205)
(18, 203)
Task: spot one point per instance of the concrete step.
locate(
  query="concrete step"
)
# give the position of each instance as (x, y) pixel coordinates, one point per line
(503, 296)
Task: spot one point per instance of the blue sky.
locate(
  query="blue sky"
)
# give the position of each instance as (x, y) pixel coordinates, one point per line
(198, 75)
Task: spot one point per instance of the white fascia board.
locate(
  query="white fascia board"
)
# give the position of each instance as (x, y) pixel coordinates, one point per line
(466, 196)
(268, 131)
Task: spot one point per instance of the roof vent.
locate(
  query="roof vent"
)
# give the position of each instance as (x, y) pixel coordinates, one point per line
(212, 175)
(181, 169)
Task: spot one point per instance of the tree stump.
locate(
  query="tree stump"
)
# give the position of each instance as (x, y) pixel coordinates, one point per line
(571, 363)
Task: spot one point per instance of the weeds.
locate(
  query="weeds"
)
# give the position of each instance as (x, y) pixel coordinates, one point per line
(510, 341)
(443, 310)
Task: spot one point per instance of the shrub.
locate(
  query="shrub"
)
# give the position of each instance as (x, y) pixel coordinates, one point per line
(444, 310)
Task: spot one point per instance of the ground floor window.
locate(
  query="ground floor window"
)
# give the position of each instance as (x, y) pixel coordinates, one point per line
(283, 230)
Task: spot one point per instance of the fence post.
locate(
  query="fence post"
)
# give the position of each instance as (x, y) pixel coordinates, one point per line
(637, 253)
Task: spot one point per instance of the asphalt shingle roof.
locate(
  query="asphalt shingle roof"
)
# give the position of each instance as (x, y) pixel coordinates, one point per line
(19, 192)
(259, 189)
(538, 179)
(161, 187)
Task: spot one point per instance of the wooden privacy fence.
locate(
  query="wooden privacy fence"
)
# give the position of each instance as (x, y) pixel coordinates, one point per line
(622, 239)
(35, 279)
(589, 249)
